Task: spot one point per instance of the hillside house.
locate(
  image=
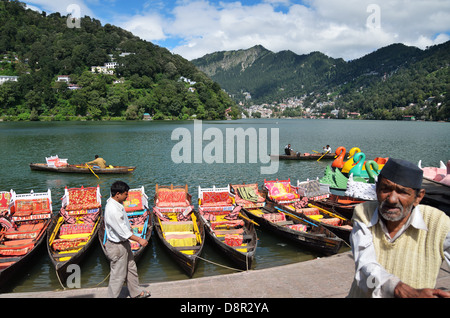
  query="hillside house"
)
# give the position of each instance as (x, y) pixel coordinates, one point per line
(4, 79)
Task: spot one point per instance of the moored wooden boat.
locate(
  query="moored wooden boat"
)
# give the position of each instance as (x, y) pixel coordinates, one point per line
(341, 204)
(228, 228)
(304, 233)
(74, 229)
(24, 221)
(180, 231)
(81, 169)
(140, 220)
(334, 222)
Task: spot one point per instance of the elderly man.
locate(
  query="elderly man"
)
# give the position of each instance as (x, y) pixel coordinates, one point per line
(398, 245)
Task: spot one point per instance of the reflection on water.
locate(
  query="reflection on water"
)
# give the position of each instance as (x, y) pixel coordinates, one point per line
(148, 146)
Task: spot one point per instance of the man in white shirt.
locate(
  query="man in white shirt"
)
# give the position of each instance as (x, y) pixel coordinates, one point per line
(118, 248)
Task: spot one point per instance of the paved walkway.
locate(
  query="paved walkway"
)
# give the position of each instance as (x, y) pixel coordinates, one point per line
(328, 277)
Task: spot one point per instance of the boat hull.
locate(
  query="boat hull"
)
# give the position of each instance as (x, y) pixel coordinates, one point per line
(319, 240)
(188, 263)
(18, 262)
(303, 157)
(243, 260)
(60, 265)
(81, 169)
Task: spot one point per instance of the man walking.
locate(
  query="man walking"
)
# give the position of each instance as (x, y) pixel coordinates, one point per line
(118, 248)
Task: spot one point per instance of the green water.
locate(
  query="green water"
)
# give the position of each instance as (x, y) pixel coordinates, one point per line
(148, 146)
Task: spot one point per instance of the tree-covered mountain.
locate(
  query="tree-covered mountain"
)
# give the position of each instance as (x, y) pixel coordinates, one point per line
(143, 77)
(391, 82)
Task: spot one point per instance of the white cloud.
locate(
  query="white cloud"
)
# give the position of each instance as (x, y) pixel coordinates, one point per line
(62, 6)
(339, 28)
(146, 26)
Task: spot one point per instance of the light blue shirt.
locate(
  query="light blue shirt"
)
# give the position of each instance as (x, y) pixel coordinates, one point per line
(117, 226)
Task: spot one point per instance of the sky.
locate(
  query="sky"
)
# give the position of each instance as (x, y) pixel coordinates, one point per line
(346, 29)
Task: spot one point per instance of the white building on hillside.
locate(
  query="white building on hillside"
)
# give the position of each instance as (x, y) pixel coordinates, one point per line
(4, 79)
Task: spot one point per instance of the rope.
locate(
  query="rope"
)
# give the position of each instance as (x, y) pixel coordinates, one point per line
(224, 266)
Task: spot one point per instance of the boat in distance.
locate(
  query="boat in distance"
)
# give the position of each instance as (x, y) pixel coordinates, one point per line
(305, 156)
(81, 169)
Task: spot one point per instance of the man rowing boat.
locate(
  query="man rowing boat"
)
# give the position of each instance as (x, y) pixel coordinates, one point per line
(98, 163)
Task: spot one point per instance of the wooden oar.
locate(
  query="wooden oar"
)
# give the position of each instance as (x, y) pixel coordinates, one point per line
(92, 171)
(322, 156)
(295, 216)
(196, 229)
(327, 212)
(246, 218)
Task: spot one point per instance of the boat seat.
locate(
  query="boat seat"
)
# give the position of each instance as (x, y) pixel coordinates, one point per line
(186, 248)
(225, 232)
(177, 226)
(246, 238)
(283, 223)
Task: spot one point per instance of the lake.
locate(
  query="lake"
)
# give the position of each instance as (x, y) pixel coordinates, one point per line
(149, 146)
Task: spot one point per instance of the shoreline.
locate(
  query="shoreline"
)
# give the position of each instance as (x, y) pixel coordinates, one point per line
(327, 277)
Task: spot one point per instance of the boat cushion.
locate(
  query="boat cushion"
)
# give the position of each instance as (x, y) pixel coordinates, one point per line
(298, 227)
(275, 217)
(82, 198)
(260, 201)
(68, 244)
(5, 198)
(171, 198)
(308, 211)
(25, 231)
(181, 239)
(216, 198)
(67, 229)
(134, 201)
(281, 191)
(184, 226)
(332, 221)
(234, 239)
(16, 247)
(31, 206)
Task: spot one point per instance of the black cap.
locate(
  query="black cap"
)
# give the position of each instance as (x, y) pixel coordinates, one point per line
(403, 173)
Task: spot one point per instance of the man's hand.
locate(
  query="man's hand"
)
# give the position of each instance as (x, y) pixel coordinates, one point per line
(405, 291)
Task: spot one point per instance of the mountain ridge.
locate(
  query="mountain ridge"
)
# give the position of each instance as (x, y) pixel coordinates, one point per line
(410, 74)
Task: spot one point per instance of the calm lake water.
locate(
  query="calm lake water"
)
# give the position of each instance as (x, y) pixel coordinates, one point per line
(148, 145)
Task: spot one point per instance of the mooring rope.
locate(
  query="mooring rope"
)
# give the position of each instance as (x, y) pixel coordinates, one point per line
(224, 266)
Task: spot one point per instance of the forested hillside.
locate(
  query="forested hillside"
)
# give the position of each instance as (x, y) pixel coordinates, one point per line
(40, 49)
(389, 83)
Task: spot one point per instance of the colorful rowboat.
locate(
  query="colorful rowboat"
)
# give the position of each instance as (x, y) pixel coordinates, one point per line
(178, 229)
(23, 222)
(81, 169)
(229, 228)
(73, 229)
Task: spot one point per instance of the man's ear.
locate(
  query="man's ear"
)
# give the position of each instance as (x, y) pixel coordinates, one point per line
(419, 197)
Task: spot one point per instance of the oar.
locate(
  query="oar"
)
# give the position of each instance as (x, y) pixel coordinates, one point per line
(92, 171)
(322, 156)
(295, 216)
(327, 212)
(246, 218)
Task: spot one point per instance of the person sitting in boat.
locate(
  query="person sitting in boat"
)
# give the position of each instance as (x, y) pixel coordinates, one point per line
(398, 244)
(327, 149)
(288, 150)
(98, 163)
